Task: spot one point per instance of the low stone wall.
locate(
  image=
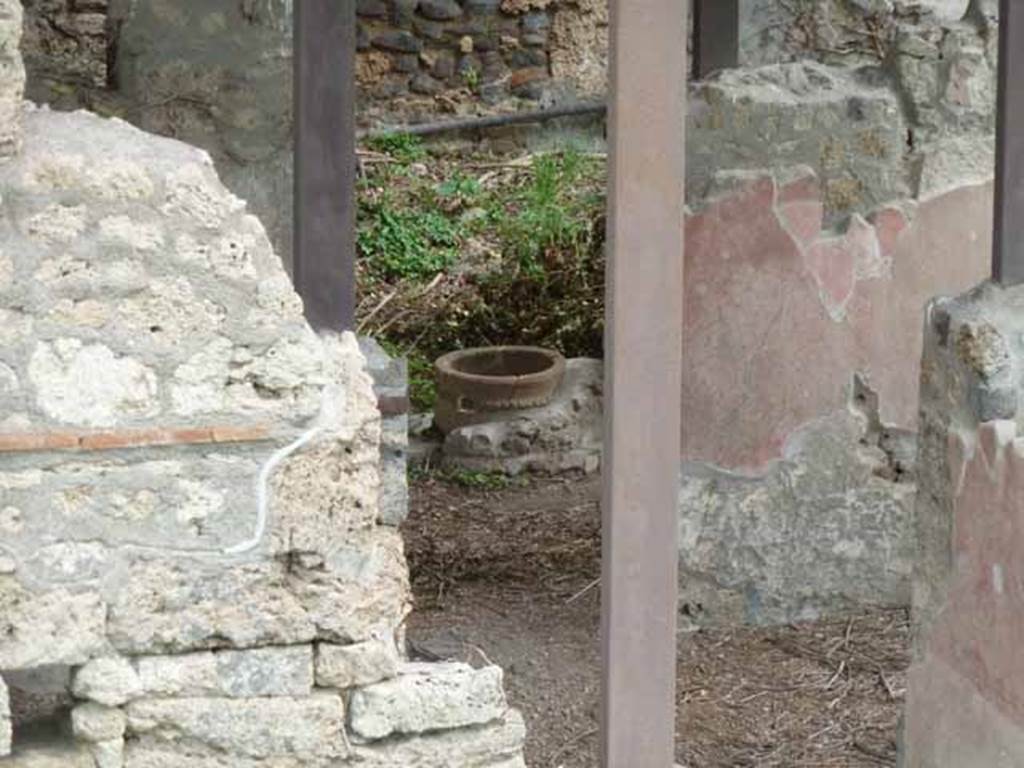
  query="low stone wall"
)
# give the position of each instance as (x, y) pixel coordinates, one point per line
(966, 697)
(190, 511)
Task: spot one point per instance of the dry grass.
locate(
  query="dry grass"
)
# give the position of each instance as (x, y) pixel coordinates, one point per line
(508, 575)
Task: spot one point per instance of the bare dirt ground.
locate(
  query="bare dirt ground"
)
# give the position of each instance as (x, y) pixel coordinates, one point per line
(507, 575)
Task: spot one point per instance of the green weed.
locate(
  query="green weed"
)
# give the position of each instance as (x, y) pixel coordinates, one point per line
(404, 244)
(403, 147)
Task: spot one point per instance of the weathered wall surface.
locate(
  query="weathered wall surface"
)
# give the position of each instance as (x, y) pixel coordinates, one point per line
(218, 75)
(12, 78)
(805, 287)
(190, 484)
(966, 696)
(799, 477)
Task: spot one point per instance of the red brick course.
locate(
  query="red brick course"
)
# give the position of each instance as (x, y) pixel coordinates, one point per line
(34, 442)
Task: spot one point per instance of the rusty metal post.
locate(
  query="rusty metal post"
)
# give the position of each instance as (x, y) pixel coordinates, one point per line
(716, 35)
(1008, 240)
(325, 161)
(643, 350)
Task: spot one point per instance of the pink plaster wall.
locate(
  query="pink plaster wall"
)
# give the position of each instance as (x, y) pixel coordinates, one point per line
(966, 702)
(780, 315)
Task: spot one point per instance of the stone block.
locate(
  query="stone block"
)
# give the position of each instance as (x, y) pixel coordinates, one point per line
(53, 628)
(428, 697)
(178, 605)
(440, 10)
(311, 728)
(361, 664)
(111, 681)
(97, 723)
(57, 756)
(108, 754)
(497, 745)
(235, 674)
(799, 114)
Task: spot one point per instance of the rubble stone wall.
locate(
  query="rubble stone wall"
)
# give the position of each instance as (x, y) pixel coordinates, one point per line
(190, 509)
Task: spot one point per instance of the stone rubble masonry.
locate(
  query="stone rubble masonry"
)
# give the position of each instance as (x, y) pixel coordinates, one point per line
(425, 698)
(12, 79)
(57, 756)
(361, 664)
(490, 746)
(965, 691)
(109, 681)
(98, 724)
(309, 728)
(232, 674)
(189, 477)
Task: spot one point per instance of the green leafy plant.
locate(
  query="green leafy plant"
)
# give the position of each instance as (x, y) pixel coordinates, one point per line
(471, 77)
(407, 244)
(459, 186)
(547, 219)
(528, 243)
(479, 480)
(403, 147)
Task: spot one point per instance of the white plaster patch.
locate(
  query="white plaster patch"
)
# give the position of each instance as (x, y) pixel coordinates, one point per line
(171, 308)
(16, 422)
(8, 380)
(57, 224)
(278, 298)
(231, 256)
(200, 504)
(121, 181)
(193, 193)
(190, 250)
(54, 171)
(69, 562)
(20, 481)
(63, 268)
(87, 313)
(137, 235)
(15, 326)
(199, 382)
(11, 521)
(6, 270)
(90, 385)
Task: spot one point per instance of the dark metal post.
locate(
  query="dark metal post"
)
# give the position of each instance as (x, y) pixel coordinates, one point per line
(325, 161)
(1008, 238)
(716, 35)
(643, 382)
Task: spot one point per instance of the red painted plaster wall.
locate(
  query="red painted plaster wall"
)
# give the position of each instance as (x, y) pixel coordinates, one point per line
(780, 315)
